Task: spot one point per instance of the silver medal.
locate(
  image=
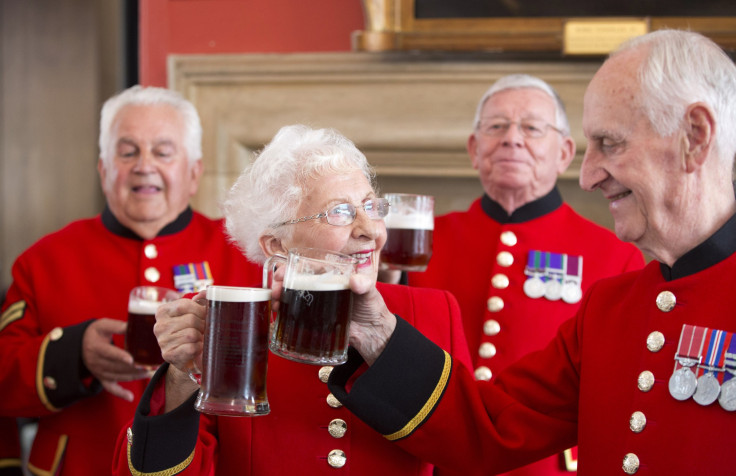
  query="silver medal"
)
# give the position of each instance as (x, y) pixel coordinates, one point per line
(728, 395)
(682, 384)
(534, 287)
(571, 293)
(553, 290)
(707, 390)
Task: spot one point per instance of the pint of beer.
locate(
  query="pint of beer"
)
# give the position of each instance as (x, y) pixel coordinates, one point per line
(314, 309)
(235, 355)
(409, 226)
(139, 338)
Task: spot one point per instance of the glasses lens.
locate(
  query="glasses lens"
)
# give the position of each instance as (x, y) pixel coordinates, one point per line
(533, 128)
(494, 127)
(376, 208)
(341, 215)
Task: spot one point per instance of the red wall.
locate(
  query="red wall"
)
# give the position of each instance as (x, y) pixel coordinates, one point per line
(241, 26)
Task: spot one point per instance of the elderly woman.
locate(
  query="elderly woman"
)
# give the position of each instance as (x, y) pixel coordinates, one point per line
(307, 188)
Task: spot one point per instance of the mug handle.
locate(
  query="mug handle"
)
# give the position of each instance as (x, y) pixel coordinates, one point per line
(269, 267)
(194, 373)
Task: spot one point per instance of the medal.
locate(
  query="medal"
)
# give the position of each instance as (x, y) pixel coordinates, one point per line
(727, 399)
(192, 277)
(682, 383)
(553, 276)
(534, 286)
(708, 384)
(572, 291)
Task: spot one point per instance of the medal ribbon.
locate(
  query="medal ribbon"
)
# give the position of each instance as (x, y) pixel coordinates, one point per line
(574, 269)
(690, 347)
(555, 266)
(714, 355)
(729, 359)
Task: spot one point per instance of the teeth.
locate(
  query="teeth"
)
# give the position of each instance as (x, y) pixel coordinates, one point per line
(620, 195)
(362, 257)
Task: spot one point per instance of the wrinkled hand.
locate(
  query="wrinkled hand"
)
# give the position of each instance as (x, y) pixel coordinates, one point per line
(106, 362)
(371, 322)
(179, 330)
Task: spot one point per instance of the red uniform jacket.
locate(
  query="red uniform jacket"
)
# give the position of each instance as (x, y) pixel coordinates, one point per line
(10, 453)
(602, 382)
(294, 439)
(502, 323)
(83, 272)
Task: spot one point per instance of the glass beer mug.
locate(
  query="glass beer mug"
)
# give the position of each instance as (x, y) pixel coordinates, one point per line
(409, 230)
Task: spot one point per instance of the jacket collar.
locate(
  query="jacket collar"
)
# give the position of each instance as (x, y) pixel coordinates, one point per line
(114, 226)
(535, 209)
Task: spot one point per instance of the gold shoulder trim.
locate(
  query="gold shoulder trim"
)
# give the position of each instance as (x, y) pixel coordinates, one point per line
(14, 312)
(428, 406)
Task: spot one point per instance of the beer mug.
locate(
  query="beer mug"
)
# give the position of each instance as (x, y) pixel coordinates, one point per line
(139, 338)
(409, 228)
(312, 322)
(235, 355)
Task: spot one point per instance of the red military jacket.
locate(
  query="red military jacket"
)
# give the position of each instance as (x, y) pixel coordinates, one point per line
(603, 383)
(297, 437)
(10, 452)
(79, 273)
(480, 256)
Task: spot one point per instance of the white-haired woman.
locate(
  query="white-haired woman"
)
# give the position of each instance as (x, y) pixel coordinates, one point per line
(307, 188)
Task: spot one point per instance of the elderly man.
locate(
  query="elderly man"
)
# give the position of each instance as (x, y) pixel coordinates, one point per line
(642, 378)
(61, 324)
(532, 255)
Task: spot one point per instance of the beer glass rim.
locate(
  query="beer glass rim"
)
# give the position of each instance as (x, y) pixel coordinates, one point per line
(407, 195)
(237, 293)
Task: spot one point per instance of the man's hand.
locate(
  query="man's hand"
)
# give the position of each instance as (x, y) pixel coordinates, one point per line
(106, 362)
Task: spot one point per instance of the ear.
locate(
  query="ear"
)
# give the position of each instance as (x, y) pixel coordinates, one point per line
(567, 153)
(196, 173)
(700, 135)
(472, 147)
(271, 245)
(102, 171)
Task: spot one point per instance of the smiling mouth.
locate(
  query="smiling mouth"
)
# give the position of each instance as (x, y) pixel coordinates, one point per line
(146, 189)
(619, 196)
(362, 258)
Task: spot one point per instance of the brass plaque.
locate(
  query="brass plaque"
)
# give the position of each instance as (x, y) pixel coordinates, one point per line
(597, 36)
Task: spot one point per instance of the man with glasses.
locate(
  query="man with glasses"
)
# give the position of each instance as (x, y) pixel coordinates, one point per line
(531, 256)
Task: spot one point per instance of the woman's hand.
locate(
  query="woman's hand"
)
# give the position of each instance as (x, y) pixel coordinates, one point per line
(372, 323)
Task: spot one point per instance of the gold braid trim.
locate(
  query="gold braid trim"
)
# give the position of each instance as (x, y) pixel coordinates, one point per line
(14, 312)
(429, 406)
(166, 472)
(39, 376)
(60, 448)
(10, 463)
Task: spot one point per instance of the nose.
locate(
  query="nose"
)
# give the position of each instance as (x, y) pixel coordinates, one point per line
(513, 135)
(592, 172)
(145, 163)
(365, 226)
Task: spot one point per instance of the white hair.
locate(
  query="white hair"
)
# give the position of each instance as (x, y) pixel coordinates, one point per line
(139, 95)
(682, 68)
(521, 81)
(271, 188)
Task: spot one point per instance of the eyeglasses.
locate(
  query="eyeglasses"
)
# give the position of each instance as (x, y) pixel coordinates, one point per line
(344, 213)
(529, 128)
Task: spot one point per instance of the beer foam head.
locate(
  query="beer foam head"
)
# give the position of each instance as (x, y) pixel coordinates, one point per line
(235, 294)
(317, 282)
(419, 221)
(143, 306)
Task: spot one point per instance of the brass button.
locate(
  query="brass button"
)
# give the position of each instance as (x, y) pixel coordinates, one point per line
(505, 259)
(337, 428)
(130, 435)
(655, 341)
(491, 327)
(49, 383)
(150, 251)
(495, 304)
(645, 382)
(508, 238)
(500, 281)
(483, 373)
(333, 401)
(324, 373)
(487, 350)
(637, 422)
(631, 463)
(337, 458)
(152, 274)
(56, 333)
(666, 301)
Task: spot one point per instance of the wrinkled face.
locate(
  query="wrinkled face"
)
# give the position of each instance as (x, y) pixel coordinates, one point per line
(150, 180)
(634, 168)
(512, 163)
(362, 239)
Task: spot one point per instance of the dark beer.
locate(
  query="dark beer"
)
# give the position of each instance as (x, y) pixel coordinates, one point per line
(139, 338)
(312, 322)
(235, 355)
(408, 247)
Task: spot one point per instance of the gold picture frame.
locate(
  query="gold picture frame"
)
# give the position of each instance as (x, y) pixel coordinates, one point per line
(391, 25)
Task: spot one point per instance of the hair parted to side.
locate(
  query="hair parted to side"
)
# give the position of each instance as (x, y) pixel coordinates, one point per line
(270, 189)
(139, 95)
(521, 81)
(682, 68)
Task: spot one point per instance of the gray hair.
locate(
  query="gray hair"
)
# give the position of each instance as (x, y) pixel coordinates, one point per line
(270, 189)
(147, 96)
(682, 68)
(520, 81)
